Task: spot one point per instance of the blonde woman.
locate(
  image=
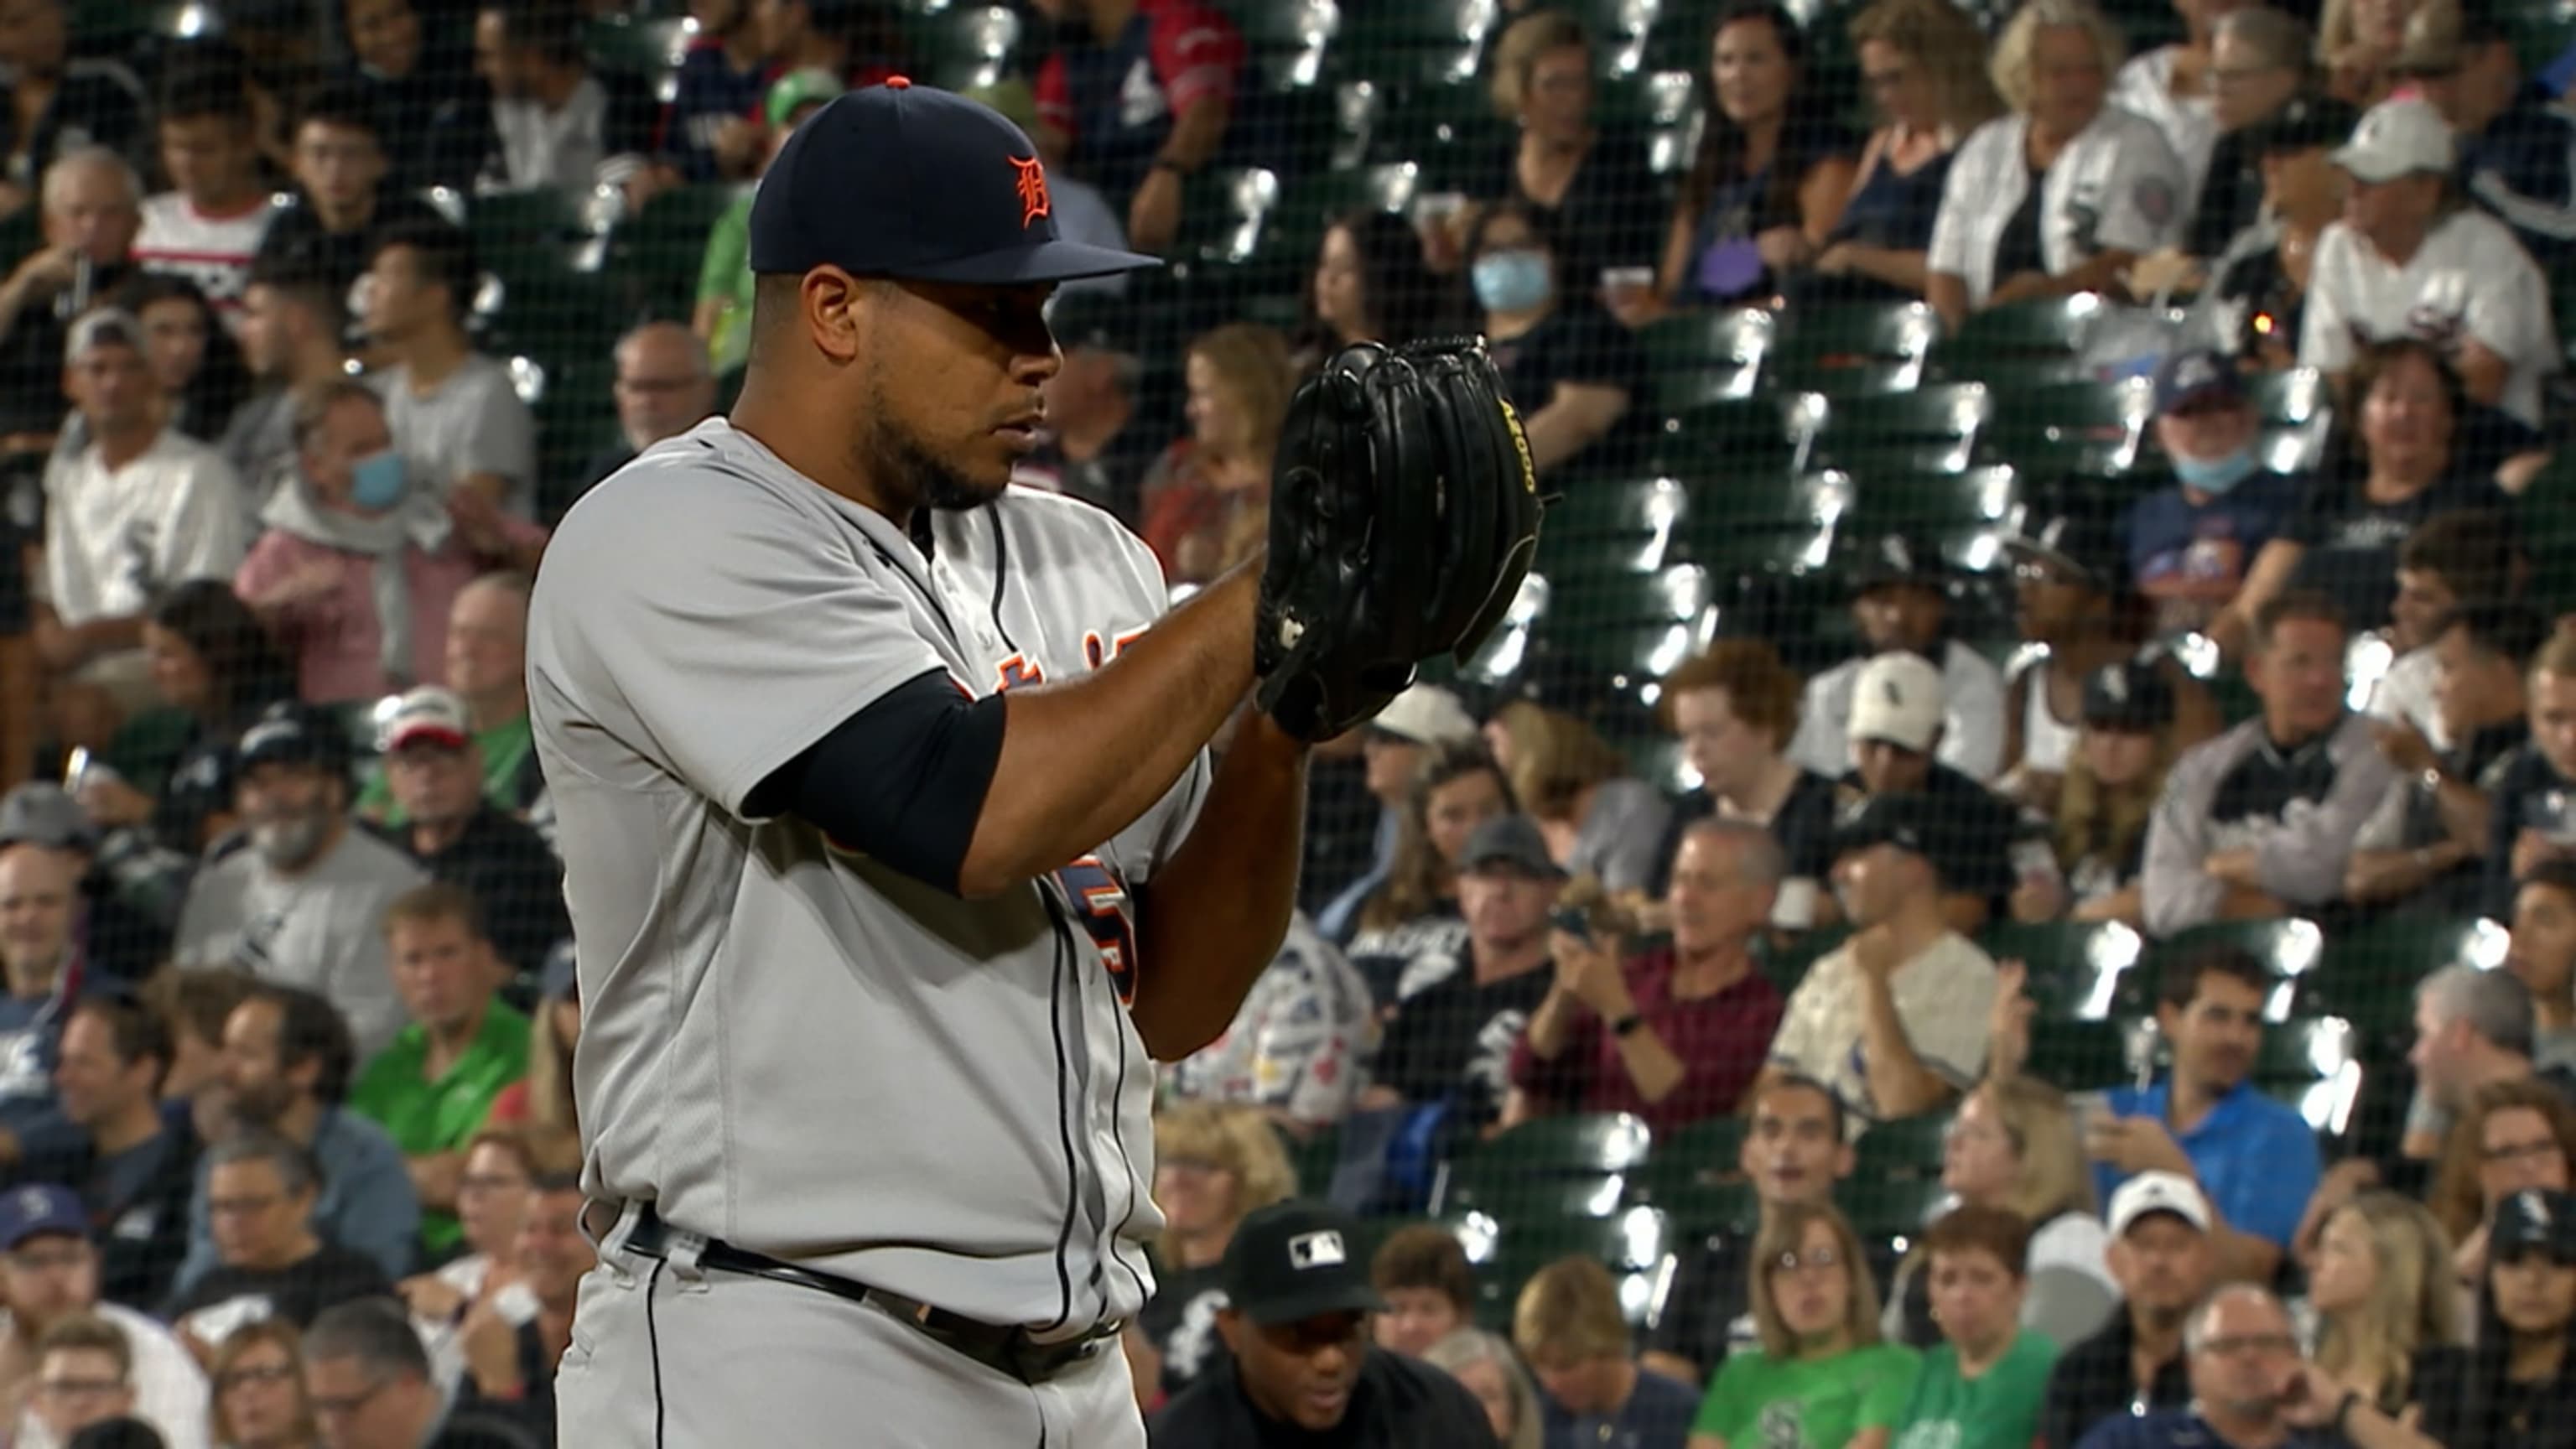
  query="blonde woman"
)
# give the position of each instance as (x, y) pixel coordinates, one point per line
(1239, 381)
(2013, 1146)
(1924, 62)
(1214, 1165)
(2175, 86)
(1597, 820)
(2382, 1292)
(2357, 40)
(2104, 799)
(1486, 1365)
(1589, 186)
(1568, 1324)
(1821, 1365)
(2062, 194)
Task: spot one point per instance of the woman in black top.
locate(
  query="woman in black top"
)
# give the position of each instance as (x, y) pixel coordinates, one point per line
(2345, 535)
(1570, 369)
(2515, 1386)
(193, 356)
(1770, 178)
(1371, 284)
(1589, 184)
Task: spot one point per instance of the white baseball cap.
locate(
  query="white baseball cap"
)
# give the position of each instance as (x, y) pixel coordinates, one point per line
(2158, 1192)
(427, 715)
(1426, 714)
(1898, 699)
(2399, 138)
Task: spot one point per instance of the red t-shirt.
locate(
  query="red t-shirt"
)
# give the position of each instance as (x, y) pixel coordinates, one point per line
(1722, 1042)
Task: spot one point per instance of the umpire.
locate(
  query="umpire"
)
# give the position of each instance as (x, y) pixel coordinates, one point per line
(1303, 1369)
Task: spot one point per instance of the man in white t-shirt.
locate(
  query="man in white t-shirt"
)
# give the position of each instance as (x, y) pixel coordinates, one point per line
(2409, 260)
(1895, 1019)
(456, 418)
(49, 1271)
(208, 226)
(130, 511)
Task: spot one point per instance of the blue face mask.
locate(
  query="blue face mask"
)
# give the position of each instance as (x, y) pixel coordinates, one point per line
(376, 481)
(2217, 475)
(1513, 281)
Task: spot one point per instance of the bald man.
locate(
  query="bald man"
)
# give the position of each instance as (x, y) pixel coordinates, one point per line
(664, 388)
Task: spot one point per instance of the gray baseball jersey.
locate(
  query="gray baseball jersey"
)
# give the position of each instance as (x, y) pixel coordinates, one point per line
(788, 1045)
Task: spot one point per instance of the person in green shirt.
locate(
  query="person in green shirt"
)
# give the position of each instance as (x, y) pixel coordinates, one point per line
(1822, 1378)
(487, 667)
(723, 315)
(433, 1087)
(1983, 1385)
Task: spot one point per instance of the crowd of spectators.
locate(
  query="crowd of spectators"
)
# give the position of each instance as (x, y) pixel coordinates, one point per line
(288, 1149)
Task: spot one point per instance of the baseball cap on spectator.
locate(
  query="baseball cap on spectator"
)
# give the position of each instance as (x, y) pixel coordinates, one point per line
(2399, 138)
(2130, 695)
(2534, 1219)
(812, 86)
(38, 1209)
(427, 715)
(291, 732)
(2195, 376)
(1426, 714)
(1512, 840)
(42, 813)
(1910, 821)
(2307, 122)
(2078, 541)
(1898, 558)
(909, 181)
(1898, 699)
(1296, 1260)
(2157, 1192)
(102, 326)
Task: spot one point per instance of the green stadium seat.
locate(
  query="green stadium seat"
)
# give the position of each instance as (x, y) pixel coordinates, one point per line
(962, 47)
(1787, 965)
(2369, 977)
(657, 255)
(636, 44)
(1909, 1147)
(2080, 1055)
(1630, 510)
(1225, 215)
(1700, 1209)
(1848, 351)
(1933, 428)
(2075, 970)
(1293, 230)
(2091, 428)
(1671, 392)
(1887, 496)
(1587, 1142)
(2313, 1064)
(1312, 1155)
(2547, 513)
(1511, 1191)
(1725, 439)
(1631, 1244)
(1708, 1150)
(2023, 337)
(1737, 339)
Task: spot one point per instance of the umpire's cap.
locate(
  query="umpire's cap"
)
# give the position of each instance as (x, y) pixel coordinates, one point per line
(909, 181)
(291, 732)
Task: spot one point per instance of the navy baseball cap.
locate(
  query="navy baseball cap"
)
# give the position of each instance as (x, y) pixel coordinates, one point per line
(909, 181)
(2196, 375)
(38, 1209)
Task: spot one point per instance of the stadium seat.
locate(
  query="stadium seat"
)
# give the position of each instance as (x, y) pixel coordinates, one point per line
(2075, 970)
(2369, 977)
(638, 45)
(1738, 339)
(2089, 428)
(1787, 965)
(2026, 339)
(1312, 1155)
(2297, 409)
(962, 47)
(2314, 1065)
(525, 233)
(1724, 439)
(1589, 1142)
(1632, 1244)
(1286, 39)
(2082, 1055)
(1851, 350)
(1936, 427)
(1293, 230)
(1886, 496)
(657, 255)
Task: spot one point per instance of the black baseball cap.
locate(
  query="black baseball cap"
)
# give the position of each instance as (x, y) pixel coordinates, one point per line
(910, 181)
(1907, 819)
(2130, 695)
(1296, 1260)
(2074, 540)
(1898, 558)
(2534, 1219)
(2306, 122)
(291, 732)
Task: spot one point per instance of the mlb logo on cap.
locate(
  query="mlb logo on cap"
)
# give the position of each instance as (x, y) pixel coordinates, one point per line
(1317, 1250)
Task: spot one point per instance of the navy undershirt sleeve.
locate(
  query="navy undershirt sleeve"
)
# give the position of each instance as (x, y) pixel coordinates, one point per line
(903, 780)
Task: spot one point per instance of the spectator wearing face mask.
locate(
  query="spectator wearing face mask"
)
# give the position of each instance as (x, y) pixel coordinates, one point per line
(2190, 545)
(358, 568)
(302, 901)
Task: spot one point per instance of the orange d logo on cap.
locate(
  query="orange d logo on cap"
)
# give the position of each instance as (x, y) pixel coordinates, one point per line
(1033, 189)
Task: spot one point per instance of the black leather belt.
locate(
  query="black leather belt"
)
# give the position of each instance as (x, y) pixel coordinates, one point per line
(1006, 1349)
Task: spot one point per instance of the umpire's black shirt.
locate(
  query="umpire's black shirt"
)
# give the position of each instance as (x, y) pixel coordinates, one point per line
(1398, 1403)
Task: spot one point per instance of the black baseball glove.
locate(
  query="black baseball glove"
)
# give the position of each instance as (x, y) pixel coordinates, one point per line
(1403, 514)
